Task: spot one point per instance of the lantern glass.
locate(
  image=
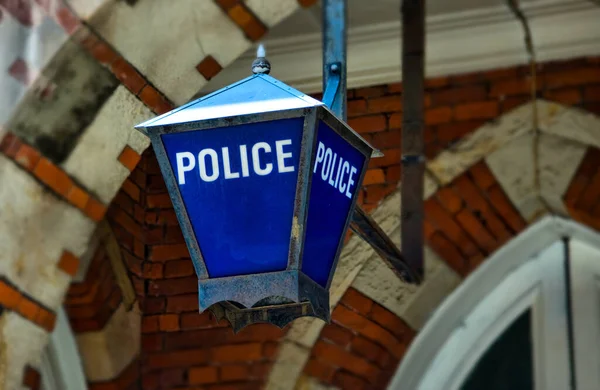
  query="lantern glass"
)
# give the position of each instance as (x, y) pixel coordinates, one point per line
(238, 185)
(336, 174)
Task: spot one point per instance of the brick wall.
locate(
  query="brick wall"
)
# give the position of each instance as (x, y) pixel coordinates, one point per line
(362, 346)
(583, 195)
(458, 105)
(465, 221)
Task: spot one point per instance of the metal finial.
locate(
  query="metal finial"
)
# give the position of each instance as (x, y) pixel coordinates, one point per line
(261, 64)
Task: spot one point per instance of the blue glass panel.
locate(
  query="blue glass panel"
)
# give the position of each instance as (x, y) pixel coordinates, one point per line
(238, 186)
(336, 172)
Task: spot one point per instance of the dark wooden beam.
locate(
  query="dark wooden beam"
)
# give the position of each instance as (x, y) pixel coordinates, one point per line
(413, 160)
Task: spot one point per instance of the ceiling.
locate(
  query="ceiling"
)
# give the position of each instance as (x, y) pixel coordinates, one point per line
(364, 12)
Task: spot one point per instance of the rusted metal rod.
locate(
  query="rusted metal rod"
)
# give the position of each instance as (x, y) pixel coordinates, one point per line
(413, 160)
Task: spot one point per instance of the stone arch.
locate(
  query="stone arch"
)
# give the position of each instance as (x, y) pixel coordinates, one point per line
(483, 175)
(71, 101)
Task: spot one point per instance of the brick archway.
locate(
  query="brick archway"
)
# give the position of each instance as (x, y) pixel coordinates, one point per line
(66, 138)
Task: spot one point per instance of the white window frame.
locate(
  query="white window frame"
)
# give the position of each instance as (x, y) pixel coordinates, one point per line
(528, 272)
(61, 367)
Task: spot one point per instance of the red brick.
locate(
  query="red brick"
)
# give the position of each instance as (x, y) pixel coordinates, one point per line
(458, 95)
(31, 378)
(131, 189)
(180, 303)
(393, 174)
(68, 263)
(173, 286)
(572, 77)
(209, 67)
(476, 201)
(126, 222)
(370, 351)
(374, 176)
(386, 139)
(448, 251)
(576, 188)
(270, 350)
(479, 110)
(504, 207)
(196, 320)
(391, 322)
(168, 252)
(150, 324)
(450, 200)
(395, 121)
(567, 96)
(467, 78)
(252, 27)
(436, 82)
(368, 124)
(236, 353)
(173, 235)
(476, 230)
(439, 217)
(367, 328)
(53, 176)
(168, 322)
(159, 201)
(182, 358)
(501, 73)
(27, 157)
(46, 319)
(482, 175)
(78, 197)
(592, 93)
(199, 338)
(377, 192)
(336, 334)
(355, 300)
(152, 342)
(390, 157)
(512, 86)
(9, 145)
(234, 372)
(357, 107)
(129, 158)
(385, 104)
(338, 357)
(128, 75)
(28, 308)
(67, 19)
(95, 210)
(203, 375)
(155, 100)
(103, 53)
(344, 380)
(591, 194)
(177, 268)
(512, 102)
(370, 92)
(434, 116)
(153, 305)
(319, 370)
(453, 131)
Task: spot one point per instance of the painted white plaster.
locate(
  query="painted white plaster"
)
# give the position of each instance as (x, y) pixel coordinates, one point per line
(571, 123)
(559, 159)
(94, 161)
(86, 8)
(35, 229)
(105, 353)
(287, 369)
(21, 342)
(167, 42)
(453, 162)
(272, 12)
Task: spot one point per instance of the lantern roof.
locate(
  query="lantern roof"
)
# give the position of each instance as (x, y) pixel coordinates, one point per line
(256, 94)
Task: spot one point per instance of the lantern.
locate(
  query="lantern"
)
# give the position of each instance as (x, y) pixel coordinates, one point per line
(264, 180)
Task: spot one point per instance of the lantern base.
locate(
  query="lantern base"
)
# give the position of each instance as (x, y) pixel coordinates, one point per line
(278, 315)
(275, 297)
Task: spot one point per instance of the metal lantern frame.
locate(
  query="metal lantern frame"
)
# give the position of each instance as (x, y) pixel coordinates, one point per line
(258, 289)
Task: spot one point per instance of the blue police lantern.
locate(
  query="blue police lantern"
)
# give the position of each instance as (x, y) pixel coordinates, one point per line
(264, 180)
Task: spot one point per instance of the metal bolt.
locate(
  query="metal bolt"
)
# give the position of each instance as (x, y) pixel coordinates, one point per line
(334, 68)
